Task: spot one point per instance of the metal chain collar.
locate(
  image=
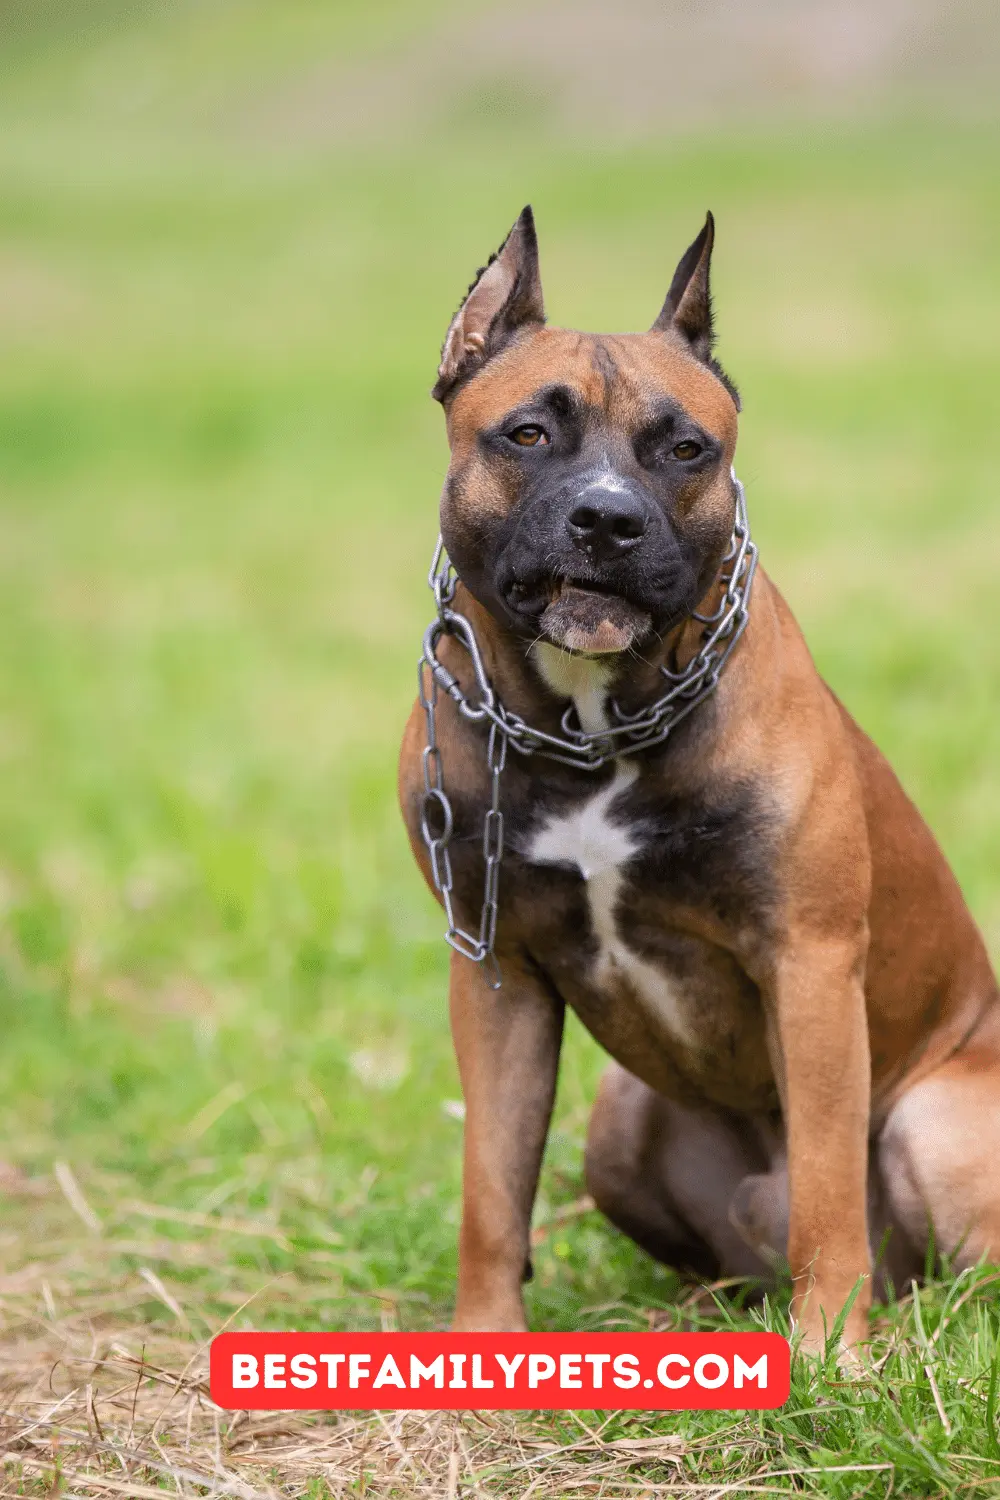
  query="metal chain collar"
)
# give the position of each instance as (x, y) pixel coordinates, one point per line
(630, 733)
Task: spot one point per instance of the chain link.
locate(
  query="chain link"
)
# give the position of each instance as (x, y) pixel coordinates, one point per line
(631, 733)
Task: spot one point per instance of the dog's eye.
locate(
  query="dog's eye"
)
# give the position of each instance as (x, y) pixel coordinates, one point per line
(528, 437)
(686, 450)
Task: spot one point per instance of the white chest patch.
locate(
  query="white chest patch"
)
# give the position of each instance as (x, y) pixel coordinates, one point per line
(586, 837)
(599, 847)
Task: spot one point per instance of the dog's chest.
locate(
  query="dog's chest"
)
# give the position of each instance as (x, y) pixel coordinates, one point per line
(620, 888)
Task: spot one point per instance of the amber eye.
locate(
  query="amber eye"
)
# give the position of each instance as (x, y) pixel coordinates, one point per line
(528, 437)
(687, 450)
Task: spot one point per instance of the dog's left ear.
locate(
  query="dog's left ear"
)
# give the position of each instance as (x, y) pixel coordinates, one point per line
(688, 308)
(506, 295)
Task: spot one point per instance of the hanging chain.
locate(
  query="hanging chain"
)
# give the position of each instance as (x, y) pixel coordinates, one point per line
(575, 747)
(436, 807)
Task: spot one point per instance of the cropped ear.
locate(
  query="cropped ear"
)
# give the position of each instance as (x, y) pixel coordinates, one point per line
(506, 295)
(688, 308)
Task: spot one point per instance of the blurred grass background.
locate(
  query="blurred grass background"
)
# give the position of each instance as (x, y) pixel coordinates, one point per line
(231, 237)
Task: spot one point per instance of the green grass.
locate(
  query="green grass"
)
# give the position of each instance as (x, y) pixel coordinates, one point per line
(223, 984)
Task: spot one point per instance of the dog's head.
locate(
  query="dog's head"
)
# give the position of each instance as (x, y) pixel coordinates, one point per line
(589, 499)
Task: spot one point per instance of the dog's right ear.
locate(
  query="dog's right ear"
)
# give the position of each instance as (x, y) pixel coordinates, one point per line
(506, 295)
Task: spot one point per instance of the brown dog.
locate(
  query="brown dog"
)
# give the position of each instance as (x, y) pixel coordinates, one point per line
(726, 883)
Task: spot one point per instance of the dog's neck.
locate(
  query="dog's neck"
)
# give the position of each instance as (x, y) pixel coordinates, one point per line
(587, 681)
(537, 679)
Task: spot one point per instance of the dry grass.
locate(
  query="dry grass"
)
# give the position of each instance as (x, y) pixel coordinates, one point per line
(102, 1406)
(104, 1378)
(83, 1409)
(105, 1398)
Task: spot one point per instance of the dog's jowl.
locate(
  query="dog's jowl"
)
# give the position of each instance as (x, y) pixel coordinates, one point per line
(636, 797)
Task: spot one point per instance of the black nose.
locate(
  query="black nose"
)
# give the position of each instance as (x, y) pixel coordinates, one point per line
(607, 523)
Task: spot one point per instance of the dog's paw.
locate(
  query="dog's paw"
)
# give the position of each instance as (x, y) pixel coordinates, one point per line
(490, 1320)
(813, 1345)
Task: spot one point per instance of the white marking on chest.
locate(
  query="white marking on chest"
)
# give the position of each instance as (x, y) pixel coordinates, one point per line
(586, 837)
(589, 838)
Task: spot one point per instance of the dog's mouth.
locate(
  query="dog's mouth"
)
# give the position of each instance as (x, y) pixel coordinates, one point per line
(588, 617)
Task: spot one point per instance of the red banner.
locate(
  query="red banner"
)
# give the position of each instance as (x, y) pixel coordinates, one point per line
(499, 1371)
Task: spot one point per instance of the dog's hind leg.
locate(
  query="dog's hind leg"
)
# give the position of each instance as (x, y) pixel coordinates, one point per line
(667, 1175)
(939, 1155)
(707, 1192)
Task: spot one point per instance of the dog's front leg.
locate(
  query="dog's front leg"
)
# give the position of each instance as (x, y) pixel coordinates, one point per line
(825, 1072)
(507, 1042)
